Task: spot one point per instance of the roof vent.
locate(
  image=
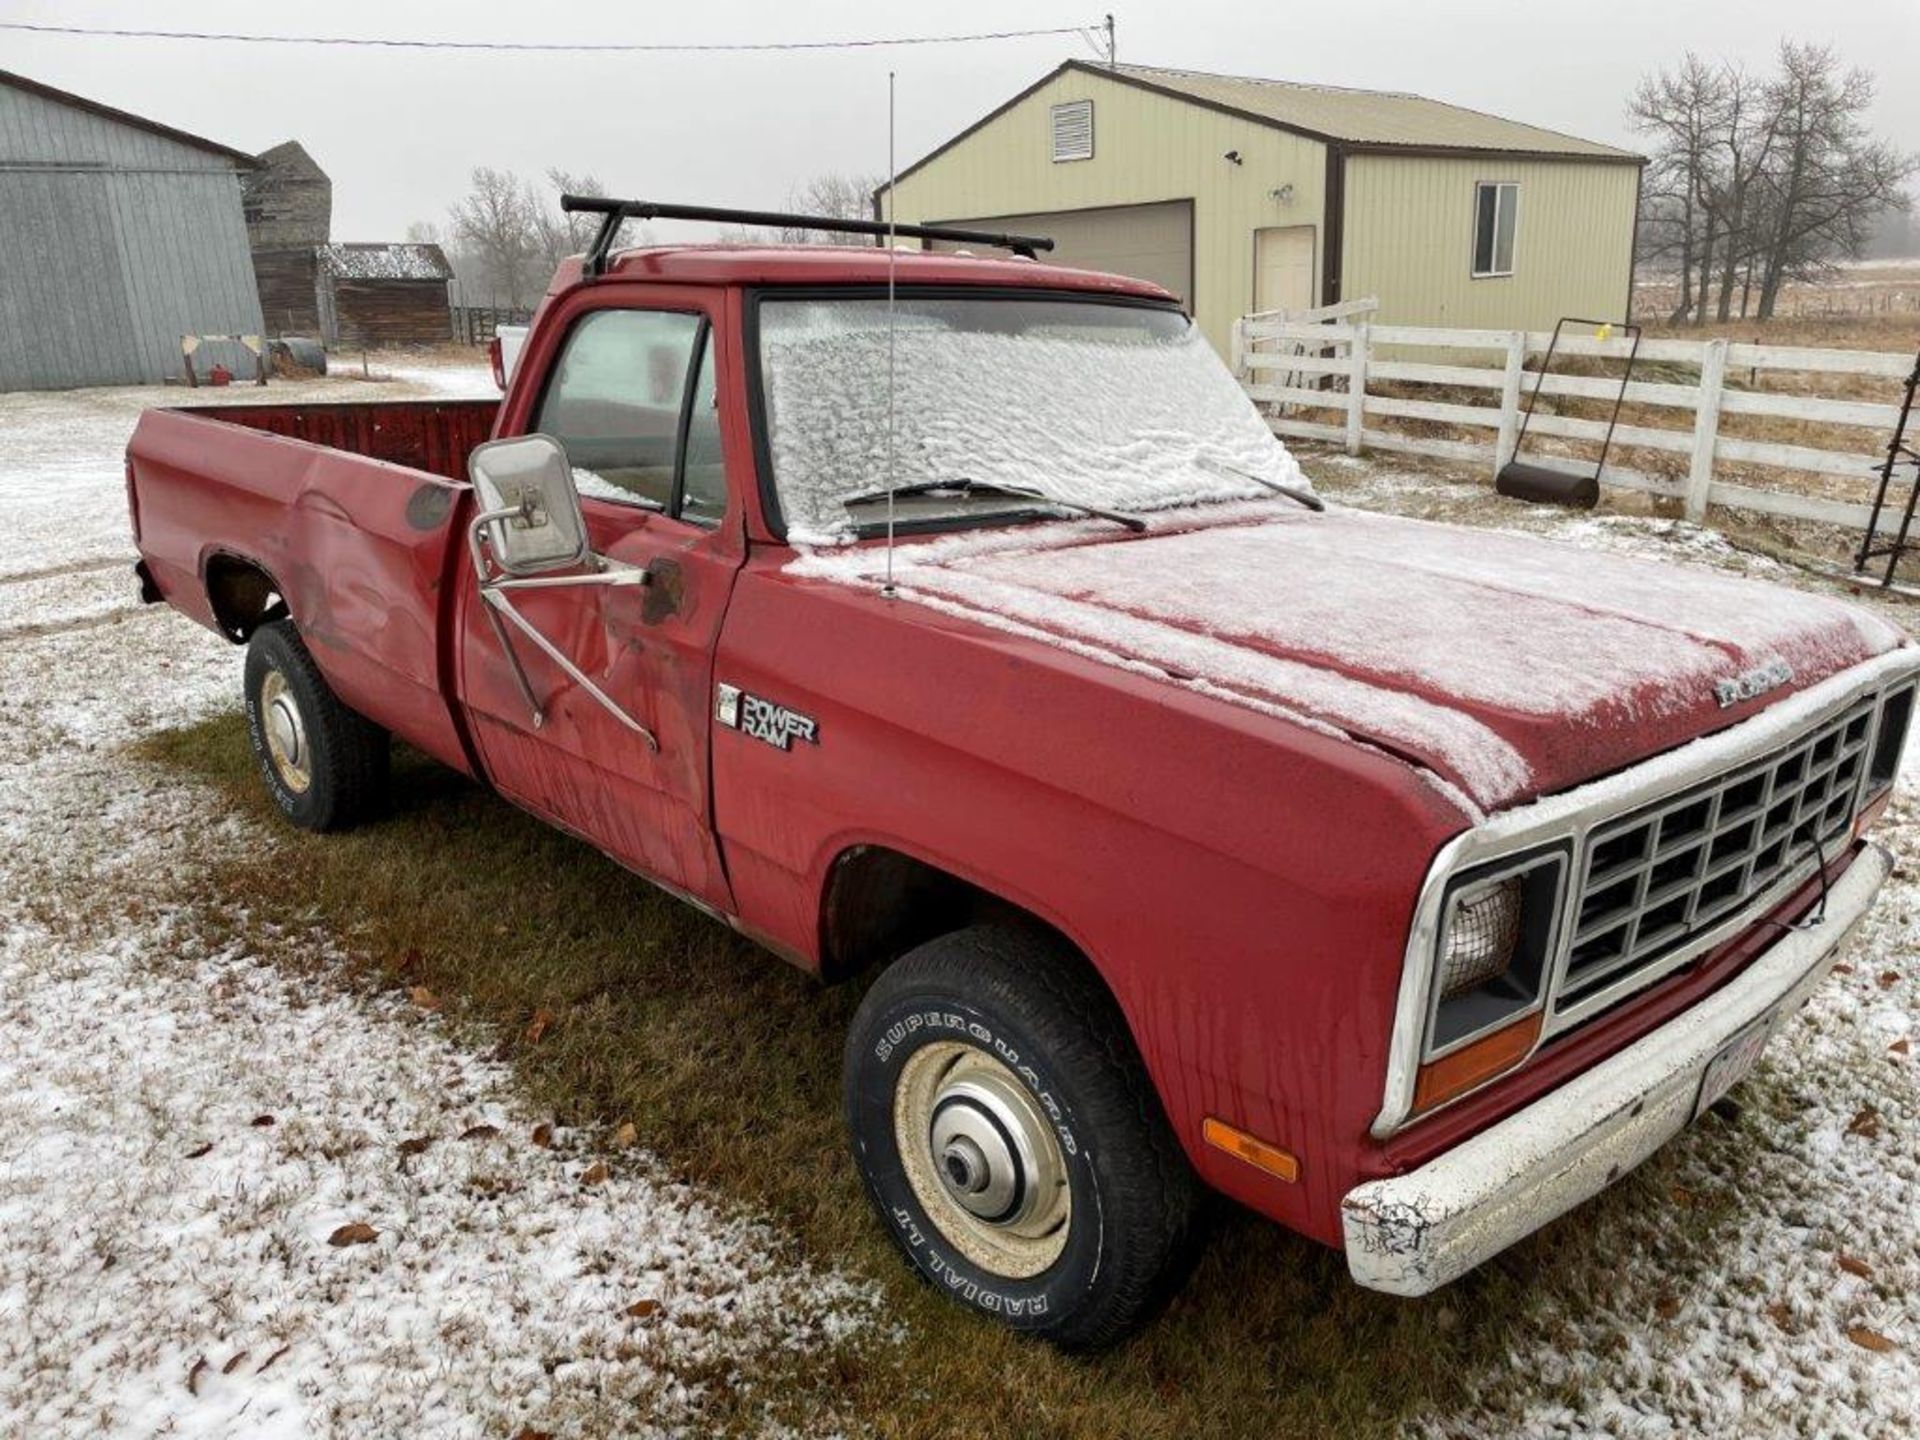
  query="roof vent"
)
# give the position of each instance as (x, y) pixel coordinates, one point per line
(1073, 130)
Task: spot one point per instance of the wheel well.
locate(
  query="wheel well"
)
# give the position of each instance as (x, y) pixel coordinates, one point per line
(881, 903)
(242, 596)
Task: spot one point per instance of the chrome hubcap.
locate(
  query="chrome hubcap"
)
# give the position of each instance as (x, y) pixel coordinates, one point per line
(982, 1158)
(286, 733)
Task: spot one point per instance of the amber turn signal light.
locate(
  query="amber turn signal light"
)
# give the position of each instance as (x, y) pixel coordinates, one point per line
(1441, 1080)
(1250, 1148)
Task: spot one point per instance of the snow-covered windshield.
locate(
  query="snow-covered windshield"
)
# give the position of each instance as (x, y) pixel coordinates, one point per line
(1117, 406)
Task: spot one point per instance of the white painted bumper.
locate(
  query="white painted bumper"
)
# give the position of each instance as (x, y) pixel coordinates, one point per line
(1413, 1233)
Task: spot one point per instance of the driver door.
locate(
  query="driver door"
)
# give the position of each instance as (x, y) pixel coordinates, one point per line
(633, 396)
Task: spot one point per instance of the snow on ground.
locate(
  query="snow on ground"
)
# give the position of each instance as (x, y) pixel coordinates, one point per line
(166, 1265)
(1777, 1328)
(189, 1127)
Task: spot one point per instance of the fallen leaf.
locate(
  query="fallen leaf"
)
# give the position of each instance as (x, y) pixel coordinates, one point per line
(1865, 1122)
(424, 998)
(233, 1364)
(1887, 979)
(1843, 969)
(1683, 1197)
(261, 1122)
(357, 1232)
(267, 1363)
(596, 1174)
(625, 1135)
(1900, 1047)
(543, 1135)
(1870, 1339)
(640, 1309)
(196, 1153)
(1854, 1265)
(479, 1132)
(537, 1026)
(193, 1376)
(529, 1433)
(1666, 1306)
(1781, 1314)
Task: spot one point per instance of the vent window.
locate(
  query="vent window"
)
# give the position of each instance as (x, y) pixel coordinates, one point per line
(1073, 131)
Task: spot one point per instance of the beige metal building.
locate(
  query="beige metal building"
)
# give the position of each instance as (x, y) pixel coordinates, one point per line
(1249, 195)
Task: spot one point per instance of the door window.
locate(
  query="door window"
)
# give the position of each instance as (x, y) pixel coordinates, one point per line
(615, 402)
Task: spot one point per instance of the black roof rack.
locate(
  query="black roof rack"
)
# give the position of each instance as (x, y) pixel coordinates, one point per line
(613, 212)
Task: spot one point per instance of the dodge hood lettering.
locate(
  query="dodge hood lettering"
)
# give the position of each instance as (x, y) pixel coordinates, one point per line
(1753, 684)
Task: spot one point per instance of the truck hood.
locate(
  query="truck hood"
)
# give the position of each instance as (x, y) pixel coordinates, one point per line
(1508, 666)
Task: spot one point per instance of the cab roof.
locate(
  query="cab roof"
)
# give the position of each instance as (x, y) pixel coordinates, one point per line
(724, 264)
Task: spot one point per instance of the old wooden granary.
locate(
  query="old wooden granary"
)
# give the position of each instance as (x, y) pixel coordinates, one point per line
(351, 296)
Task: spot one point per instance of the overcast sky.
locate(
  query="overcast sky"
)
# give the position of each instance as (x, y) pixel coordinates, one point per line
(399, 131)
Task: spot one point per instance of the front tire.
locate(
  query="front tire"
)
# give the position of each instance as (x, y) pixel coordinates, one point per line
(1011, 1141)
(324, 765)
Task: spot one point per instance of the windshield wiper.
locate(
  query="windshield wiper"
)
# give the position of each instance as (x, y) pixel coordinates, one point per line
(1293, 492)
(966, 488)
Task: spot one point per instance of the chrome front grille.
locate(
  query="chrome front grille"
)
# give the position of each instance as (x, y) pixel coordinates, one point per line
(1666, 872)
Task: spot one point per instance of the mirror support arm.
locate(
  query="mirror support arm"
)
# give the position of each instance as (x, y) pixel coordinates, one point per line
(494, 591)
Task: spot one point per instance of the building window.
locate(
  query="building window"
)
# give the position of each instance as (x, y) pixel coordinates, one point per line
(1073, 130)
(1496, 211)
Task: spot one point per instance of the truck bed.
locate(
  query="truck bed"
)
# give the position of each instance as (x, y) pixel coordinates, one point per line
(351, 514)
(431, 435)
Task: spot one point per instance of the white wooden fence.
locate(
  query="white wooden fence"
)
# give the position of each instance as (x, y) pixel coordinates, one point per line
(1349, 353)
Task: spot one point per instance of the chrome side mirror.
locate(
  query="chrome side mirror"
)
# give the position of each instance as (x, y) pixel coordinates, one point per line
(529, 510)
(526, 523)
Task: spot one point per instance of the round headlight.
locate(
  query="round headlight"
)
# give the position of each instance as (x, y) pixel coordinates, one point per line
(1482, 938)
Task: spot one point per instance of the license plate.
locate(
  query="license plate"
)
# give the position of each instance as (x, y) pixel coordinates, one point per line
(1733, 1064)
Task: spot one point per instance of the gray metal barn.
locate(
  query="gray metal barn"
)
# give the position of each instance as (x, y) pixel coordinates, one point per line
(118, 235)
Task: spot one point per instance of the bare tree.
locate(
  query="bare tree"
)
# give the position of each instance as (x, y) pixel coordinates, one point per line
(1678, 110)
(1832, 181)
(1776, 177)
(558, 234)
(844, 197)
(497, 222)
(1746, 128)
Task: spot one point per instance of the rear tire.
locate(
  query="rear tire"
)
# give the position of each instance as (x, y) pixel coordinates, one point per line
(1011, 1141)
(324, 765)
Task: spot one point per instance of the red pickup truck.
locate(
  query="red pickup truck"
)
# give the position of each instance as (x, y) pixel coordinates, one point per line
(959, 616)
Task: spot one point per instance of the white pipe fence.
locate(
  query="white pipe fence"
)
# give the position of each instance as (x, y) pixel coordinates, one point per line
(1349, 353)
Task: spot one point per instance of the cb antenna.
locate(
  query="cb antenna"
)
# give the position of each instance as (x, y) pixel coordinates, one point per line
(892, 481)
(1113, 45)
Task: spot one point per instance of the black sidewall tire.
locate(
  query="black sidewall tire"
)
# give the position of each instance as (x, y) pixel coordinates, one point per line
(347, 754)
(888, 1039)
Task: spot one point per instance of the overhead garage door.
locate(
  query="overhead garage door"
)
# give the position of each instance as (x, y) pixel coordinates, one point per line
(1149, 242)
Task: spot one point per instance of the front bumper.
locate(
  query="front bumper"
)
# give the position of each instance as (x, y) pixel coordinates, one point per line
(1412, 1233)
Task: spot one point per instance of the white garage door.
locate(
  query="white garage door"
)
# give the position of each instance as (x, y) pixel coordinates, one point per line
(1148, 242)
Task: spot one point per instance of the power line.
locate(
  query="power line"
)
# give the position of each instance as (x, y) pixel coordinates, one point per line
(621, 47)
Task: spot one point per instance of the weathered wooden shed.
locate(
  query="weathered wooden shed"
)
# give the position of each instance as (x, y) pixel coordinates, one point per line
(376, 295)
(1243, 195)
(289, 209)
(118, 235)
